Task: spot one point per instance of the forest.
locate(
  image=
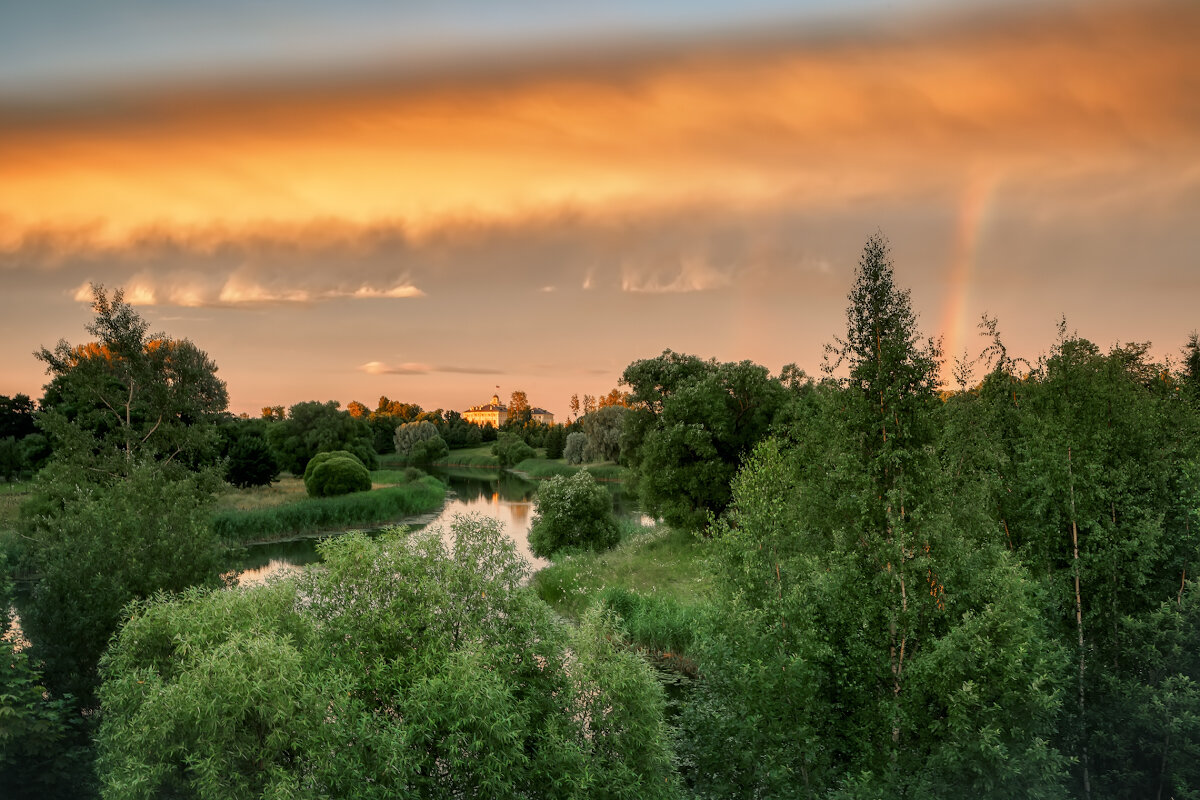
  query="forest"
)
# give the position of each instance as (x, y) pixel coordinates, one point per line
(910, 589)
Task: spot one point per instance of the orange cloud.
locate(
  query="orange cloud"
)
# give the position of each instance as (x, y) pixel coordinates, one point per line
(1051, 94)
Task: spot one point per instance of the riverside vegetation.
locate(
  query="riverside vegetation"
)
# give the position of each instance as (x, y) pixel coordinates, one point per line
(876, 587)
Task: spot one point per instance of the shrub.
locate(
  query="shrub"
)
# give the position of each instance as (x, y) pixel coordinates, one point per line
(511, 450)
(572, 512)
(575, 450)
(338, 474)
(321, 458)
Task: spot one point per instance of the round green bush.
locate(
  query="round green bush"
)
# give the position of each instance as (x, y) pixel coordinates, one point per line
(321, 458)
(572, 512)
(338, 475)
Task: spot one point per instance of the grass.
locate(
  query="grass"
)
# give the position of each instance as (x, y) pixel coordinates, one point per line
(283, 513)
(475, 457)
(655, 580)
(542, 468)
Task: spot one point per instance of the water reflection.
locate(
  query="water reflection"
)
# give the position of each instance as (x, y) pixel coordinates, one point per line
(502, 496)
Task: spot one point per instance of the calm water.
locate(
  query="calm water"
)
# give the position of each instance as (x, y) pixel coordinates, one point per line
(501, 496)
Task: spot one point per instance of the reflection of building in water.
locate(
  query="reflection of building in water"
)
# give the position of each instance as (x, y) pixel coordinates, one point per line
(520, 512)
(495, 413)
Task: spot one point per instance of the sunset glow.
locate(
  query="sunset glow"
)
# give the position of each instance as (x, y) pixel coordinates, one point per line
(711, 194)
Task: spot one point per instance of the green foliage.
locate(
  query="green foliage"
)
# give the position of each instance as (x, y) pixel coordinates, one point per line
(399, 667)
(250, 462)
(338, 476)
(573, 512)
(98, 547)
(510, 449)
(312, 428)
(554, 441)
(419, 443)
(693, 422)
(130, 395)
(314, 515)
(12, 459)
(575, 449)
(603, 430)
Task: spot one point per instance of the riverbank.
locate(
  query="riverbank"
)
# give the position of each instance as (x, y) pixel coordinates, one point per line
(655, 581)
(285, 512)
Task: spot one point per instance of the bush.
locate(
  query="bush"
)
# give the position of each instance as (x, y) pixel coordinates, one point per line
(339, 472)
(575, 450)
(511, 450)
(573, 512)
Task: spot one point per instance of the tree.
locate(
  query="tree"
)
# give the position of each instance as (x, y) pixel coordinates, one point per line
(511, 449)
(870, 640)
(103, 546)
(575, 450)
(12, 459)
(603, 430)
(555, 441)
(312, 428)
(693, 421)
(518, 407)
(16, 416)
(398, 667)
(130, 395)
(420, 443)
(251, 462)
(572, 512)
(44, 747)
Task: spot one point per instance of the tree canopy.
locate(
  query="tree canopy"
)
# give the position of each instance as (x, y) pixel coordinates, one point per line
(398, 667)
(130, 394)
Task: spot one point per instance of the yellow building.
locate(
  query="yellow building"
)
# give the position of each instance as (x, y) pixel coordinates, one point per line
(495, 413)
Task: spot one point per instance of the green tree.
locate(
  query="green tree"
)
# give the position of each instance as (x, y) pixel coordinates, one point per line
(693, 422)
(130, 395)
(575, 449)
(511, 449)
(398, 667)
(44, 747)
(16, 416)
(603, 429)
(555, 441)
(312, 428)
(572, 512)
(869, 640)
(104, 545)
(420, 443)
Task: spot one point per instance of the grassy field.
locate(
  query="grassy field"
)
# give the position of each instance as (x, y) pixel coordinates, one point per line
(655, 580)
(542, 468)
(283, 510)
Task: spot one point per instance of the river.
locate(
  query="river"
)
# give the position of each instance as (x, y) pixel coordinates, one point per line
(500, 495)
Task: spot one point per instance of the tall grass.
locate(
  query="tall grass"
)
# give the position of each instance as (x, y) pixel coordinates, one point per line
(655, 580)
(314, 515)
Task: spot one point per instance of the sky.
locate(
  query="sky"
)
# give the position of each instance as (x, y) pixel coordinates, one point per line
(441, 201)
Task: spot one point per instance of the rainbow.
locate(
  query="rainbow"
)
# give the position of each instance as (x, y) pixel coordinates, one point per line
(973, 210)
